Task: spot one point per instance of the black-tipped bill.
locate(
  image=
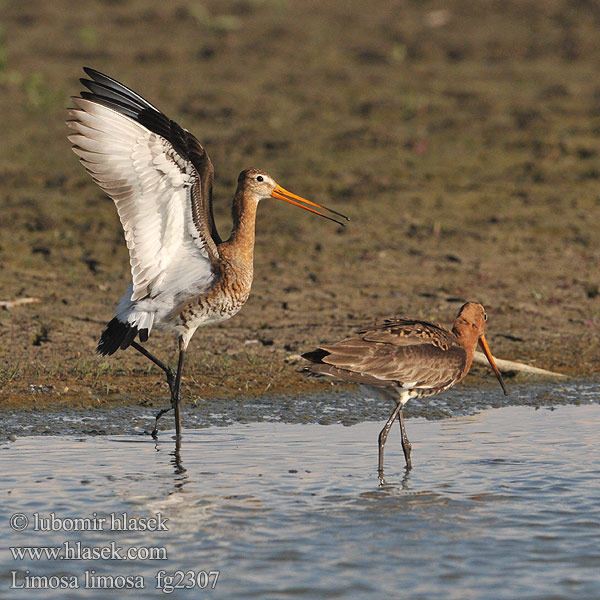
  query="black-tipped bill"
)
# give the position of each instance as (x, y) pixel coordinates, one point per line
(488, 354)
(282, 194)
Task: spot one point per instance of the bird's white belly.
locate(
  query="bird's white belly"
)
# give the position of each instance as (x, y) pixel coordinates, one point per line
(385, 393)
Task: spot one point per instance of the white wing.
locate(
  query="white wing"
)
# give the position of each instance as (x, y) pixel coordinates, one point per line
(154, 190)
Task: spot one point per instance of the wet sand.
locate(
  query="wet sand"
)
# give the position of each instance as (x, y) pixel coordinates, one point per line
(344, 407)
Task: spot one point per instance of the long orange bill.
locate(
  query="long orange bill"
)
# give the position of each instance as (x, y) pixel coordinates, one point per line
(488, 354)
(282, 194)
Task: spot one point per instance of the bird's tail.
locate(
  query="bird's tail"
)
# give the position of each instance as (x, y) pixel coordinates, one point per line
(316, 359)
(118, 335)
(315, 356)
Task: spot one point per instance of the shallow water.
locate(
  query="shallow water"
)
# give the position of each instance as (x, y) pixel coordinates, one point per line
(499, 504)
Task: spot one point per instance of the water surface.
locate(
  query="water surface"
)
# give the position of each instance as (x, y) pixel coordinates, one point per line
(501, 503)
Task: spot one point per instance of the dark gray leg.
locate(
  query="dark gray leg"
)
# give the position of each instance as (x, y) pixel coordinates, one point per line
(156, 361)
(171, 381)
(406, 445)
(383, 437)
(176, 394)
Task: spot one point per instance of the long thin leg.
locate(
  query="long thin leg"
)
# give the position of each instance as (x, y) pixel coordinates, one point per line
(383, 434)
(171, 380)
(159, 363)
(406, 445)
(176, 394)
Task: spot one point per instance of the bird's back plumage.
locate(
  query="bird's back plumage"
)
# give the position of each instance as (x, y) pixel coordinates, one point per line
(400, 353)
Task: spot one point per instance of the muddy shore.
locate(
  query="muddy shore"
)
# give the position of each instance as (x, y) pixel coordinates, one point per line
(462, 139)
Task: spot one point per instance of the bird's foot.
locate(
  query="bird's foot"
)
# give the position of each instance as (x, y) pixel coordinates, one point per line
(159, 414)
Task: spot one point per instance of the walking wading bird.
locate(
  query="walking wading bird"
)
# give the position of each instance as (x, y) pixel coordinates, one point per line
(406, 358)
(160, 178)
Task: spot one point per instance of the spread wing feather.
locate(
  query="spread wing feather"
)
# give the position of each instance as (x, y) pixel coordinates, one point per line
(159, 177)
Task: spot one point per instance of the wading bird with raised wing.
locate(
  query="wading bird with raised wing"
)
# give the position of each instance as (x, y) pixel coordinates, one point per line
(402, 359)
(160, 179)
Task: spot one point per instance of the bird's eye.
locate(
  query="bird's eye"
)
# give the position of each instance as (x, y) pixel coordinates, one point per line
(260, 178)
(485, 316)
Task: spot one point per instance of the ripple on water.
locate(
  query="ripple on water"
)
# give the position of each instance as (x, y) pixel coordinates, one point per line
(500, 504)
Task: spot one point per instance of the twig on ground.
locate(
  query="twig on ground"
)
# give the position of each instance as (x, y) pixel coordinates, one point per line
(8, 304)
(509, 365)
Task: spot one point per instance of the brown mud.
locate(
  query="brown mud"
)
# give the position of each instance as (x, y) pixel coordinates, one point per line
(462, 138)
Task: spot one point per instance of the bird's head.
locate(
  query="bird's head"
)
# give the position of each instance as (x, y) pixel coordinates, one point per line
(471, 320)
(258, 185)
(469, 328)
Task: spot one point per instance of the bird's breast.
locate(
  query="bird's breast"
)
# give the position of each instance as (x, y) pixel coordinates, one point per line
(225, 298)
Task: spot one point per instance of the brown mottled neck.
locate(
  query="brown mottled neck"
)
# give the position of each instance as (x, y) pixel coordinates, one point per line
(468, 337)
(240, 246)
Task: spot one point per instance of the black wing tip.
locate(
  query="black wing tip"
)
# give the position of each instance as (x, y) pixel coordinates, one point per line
(124, 108)
(104, 87)
(113, 94)
(92, 72)
(98, 76)
(117, 336)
